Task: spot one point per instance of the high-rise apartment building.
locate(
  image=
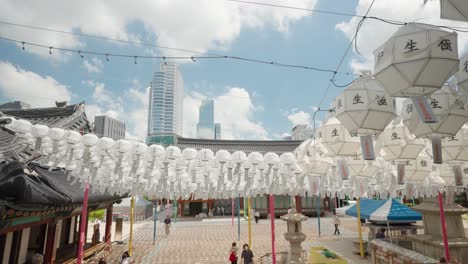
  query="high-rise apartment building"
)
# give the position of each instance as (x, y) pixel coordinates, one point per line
(205, 126)
(217, 131)
(105, 126)
(166, 102)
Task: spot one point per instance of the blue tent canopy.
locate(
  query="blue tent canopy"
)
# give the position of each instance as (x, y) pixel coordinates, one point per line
(384, 210)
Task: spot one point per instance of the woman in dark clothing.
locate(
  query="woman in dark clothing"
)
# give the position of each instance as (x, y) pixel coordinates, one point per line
(247, 255)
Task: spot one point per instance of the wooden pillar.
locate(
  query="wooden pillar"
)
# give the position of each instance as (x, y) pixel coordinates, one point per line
(49, 248)
(107, 235)
(7, 249)
(86, 228)
(298, 203)
(71, 234)
(24, 245)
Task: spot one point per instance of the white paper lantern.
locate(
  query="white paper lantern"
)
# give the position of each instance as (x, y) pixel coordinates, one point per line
(419, 169)
(455, 148)
(364, 106)
(446, 172)
(454, 10)
(337, 140)
(315, 161)
(462, 75)
(173, 153)
(361, 168)
(398, 144)
(416, 60)
(450, 109)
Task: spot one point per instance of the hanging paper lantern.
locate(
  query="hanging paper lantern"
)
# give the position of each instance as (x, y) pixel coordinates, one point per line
(398, 144)
(454, 10)
(450, 108)
(364, 106)
(417, 170)
(416, 60)
(453, 175)
(455, 148)
(361, 168)
(451, 111)
(315, 161)
(462, 75)
(337, 140)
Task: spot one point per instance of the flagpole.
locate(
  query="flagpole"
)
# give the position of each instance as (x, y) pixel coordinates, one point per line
(272, 219)
(83, 222)
(238, 218)
(318, 214)
(132, 212)
(444, 227)
(250, 222)
(358, 207)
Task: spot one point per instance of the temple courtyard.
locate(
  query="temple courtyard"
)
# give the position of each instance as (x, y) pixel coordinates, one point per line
(209, 240)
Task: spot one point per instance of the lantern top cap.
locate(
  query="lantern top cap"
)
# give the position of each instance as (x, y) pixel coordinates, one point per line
(366, 74)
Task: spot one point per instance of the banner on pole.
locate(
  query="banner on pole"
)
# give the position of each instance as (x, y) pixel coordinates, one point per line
(401, 174)
(457, 173)
(424, 109)
(437, 150)
(367, 147)
(343, 169)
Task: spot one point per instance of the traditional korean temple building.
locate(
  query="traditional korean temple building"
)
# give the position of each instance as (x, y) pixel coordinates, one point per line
(40, 209)
(194, 206)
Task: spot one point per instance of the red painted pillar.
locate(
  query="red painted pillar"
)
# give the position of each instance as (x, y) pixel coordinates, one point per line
(298, 203)
(109, 212)
(49, 252)
(444, 227)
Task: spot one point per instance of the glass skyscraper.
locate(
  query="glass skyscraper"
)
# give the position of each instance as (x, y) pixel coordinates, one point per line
(166, 102)
(205, 127)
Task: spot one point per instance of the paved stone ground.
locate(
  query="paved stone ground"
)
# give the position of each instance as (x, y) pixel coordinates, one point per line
(209, 241)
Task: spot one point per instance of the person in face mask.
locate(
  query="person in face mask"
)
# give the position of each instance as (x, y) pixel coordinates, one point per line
(247, 255)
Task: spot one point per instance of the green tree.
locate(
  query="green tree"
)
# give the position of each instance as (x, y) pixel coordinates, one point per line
(98, 214)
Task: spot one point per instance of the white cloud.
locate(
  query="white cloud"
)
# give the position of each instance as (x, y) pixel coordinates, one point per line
(374, 33)
(27, 86)
(198, 25)
(235, 111)
(94, 65)
(299, 118)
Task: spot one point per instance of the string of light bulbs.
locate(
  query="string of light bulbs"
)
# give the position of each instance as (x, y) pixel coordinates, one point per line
(109, 55)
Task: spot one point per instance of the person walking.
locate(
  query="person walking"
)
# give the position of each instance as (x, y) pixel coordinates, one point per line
(222, 210)
(233, 253)
(257, 216)
(336, 222)
(126, 259)
(247, 255)
(167, 221)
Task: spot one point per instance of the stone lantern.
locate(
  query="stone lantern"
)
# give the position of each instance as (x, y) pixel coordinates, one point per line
(416, 60)
(294, 235)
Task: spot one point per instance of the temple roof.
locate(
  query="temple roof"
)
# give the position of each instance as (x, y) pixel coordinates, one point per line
(262, 146)
(67, 117)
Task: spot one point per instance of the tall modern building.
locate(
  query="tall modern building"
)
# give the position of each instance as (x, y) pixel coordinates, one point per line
(105, 126)
(217, 131)
(166, 102)
(205, 127)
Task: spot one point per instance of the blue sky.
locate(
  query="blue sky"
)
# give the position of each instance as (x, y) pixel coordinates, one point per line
(252, 101)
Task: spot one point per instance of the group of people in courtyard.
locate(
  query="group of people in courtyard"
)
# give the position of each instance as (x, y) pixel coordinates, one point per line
(246, 255)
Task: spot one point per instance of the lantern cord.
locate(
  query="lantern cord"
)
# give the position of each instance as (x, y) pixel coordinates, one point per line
(341, 86)
(342, 60)
(107, 55)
